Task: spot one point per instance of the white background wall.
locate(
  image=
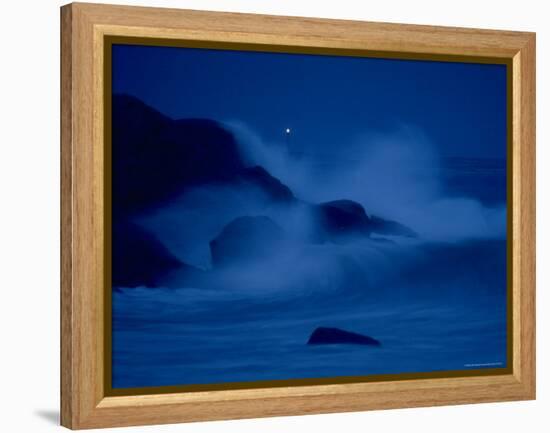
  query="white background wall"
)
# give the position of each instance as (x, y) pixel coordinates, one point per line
(29, 232)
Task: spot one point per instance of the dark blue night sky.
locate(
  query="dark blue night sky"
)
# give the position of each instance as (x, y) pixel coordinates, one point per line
(326, 100)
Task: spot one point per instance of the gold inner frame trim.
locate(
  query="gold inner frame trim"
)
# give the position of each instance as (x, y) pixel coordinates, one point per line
(110, 40)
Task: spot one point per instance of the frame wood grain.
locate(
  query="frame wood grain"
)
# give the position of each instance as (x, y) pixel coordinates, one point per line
(83, 28)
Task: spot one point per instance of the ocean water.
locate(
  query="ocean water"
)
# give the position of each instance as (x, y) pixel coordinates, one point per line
(197, 336)
(435, 304)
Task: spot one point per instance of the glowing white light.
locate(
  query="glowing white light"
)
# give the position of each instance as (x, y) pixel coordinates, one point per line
(287, 130)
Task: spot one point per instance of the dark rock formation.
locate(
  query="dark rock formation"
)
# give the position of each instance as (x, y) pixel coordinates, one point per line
(184, 276)
(343, 217)
(155, 158)
(259, 178)
(246, 239)
(339, 336)
(139, 259)
(388, 227)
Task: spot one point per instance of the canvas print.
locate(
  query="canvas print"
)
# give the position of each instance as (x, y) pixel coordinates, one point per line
(280, 216)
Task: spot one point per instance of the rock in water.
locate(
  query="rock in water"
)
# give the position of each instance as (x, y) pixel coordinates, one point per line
(339, 336)
(269, 185)
(343, 218)
(383, 226)
(138, 258)
(245, 240)
(156, 158)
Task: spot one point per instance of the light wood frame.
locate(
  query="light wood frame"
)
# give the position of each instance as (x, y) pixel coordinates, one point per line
(84, 403)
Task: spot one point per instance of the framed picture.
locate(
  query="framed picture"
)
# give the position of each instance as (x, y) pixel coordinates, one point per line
(269, 216)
